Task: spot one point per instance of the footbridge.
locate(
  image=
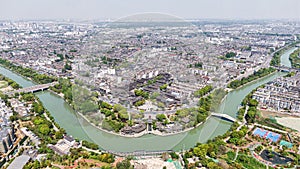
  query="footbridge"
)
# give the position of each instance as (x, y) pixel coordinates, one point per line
(224, 116)
(32, 89)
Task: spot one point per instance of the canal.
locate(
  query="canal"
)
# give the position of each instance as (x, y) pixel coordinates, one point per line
(81, 129)
(284, 59)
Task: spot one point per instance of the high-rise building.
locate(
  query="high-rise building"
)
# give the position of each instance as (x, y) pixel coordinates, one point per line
(7, 139)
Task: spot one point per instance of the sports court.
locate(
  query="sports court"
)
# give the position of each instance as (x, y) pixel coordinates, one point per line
(274, 137)
(260, 132)
(286, 143)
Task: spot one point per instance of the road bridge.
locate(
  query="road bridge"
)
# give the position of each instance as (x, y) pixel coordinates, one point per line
(139, 153)
(285, 68)
(32, 89)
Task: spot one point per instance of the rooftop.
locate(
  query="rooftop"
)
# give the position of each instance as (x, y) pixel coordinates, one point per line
(19, 162)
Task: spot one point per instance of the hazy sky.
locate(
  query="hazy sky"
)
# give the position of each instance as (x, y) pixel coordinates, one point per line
(113, 9)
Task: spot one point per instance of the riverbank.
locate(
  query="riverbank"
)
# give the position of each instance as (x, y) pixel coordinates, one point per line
(28, 72)
(18, 74)
(154, 132)
(253, 81)
(295, 59)
(276, 58)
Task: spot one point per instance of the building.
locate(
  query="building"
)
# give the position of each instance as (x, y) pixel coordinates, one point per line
(282, 94)
(7, 139)
(35, 139)
(134, 129)
(18, 107)
(19, 162)
(63, 146)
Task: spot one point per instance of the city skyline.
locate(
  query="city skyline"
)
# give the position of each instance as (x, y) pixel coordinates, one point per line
(111, 10)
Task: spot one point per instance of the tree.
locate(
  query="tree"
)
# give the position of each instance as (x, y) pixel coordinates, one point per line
(161, 105)
(253, 102)
(88, 106)
(123, 115)
(203, 91)
(174, 155)
(59, 134)
(38, 108)
(38, 121)
(118, 108)
(243, 158)
(166, 122)
(140, 92)
(250, 116)
(154, 95)
(161, 117)
(163, 87)
(125, 164)
(201, 150)
(213, 165)
(105, 105)
(68, 66)
(154, 125)
(44, 129)
(28, 97)
(61, 57)
(90, 145)
(230, 54)
(139, 103)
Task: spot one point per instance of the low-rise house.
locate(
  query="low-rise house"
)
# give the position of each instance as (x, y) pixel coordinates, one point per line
(281, 94)
(63, 146)
(35, 139)
(139, 127)
(18, 107)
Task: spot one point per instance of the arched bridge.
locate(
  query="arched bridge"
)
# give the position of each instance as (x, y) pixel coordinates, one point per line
(224, 116)
(31, 89)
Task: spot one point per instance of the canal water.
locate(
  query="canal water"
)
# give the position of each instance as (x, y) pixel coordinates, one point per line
(81, 129)
(284, 59)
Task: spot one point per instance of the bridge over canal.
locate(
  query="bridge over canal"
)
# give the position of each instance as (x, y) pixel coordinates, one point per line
(224, 116)
(32, 89)
(286, 69)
